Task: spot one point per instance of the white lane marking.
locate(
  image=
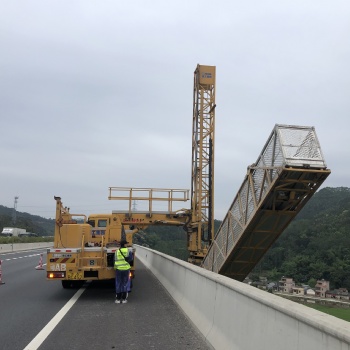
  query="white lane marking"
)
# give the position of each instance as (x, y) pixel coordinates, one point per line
(21, 257)
(23, 251)
(45, 332)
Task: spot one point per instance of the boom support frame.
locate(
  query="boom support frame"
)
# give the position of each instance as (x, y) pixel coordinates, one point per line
(200, 231)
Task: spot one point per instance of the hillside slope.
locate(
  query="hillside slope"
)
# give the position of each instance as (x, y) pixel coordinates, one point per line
(316, 244)
(32, 223)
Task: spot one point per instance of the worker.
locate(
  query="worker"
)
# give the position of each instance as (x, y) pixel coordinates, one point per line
(122, 267)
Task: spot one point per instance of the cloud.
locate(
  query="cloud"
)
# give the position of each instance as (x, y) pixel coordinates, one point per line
(100, 94)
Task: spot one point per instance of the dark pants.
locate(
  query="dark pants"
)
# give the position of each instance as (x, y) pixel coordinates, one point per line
(121, 283)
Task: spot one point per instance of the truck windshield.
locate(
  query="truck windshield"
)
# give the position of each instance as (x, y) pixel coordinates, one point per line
(102, 223)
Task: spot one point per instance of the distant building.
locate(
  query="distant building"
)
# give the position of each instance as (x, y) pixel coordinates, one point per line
(321, 288)
(286, 285)
(272, 286)
(341, 294)
(297, 290)
(310, 292)
(27, 234)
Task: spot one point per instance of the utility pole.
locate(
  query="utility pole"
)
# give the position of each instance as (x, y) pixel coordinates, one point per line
(14, 216)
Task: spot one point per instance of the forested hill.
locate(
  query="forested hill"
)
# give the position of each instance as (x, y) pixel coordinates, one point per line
(316, 244)
(167, 239)
(32, 223)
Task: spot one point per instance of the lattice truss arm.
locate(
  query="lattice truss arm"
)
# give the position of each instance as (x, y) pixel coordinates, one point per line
(287, 173)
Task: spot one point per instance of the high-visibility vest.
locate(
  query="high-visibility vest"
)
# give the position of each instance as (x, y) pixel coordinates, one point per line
(119, 262)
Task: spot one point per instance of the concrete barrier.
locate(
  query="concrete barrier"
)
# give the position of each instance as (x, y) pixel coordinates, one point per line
(235, 316)
(7, 248)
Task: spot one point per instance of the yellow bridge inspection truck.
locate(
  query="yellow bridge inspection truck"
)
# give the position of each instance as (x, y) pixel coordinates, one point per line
(84, 247)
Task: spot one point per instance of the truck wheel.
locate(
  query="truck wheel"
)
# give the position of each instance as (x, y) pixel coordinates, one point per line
(66, 284)
(77, 284)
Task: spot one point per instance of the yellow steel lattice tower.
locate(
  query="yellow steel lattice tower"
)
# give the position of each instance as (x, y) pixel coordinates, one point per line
(201, 228)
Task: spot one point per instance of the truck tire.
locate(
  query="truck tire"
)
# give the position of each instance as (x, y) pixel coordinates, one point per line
(72, 284)
(66, 284)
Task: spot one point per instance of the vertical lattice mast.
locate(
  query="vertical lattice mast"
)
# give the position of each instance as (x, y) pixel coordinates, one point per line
(201, 228)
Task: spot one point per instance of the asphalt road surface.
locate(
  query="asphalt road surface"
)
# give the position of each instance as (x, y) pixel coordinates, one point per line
(40, 314)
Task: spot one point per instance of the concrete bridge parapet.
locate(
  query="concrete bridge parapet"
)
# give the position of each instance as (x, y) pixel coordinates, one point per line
(234, 316)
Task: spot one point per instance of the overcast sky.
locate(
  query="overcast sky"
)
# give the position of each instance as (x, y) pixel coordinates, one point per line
(96, 94)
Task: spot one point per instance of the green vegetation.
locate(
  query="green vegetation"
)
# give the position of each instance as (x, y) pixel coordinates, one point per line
(167, 239)
(344, 314)
(11, 240)
(316, 244)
